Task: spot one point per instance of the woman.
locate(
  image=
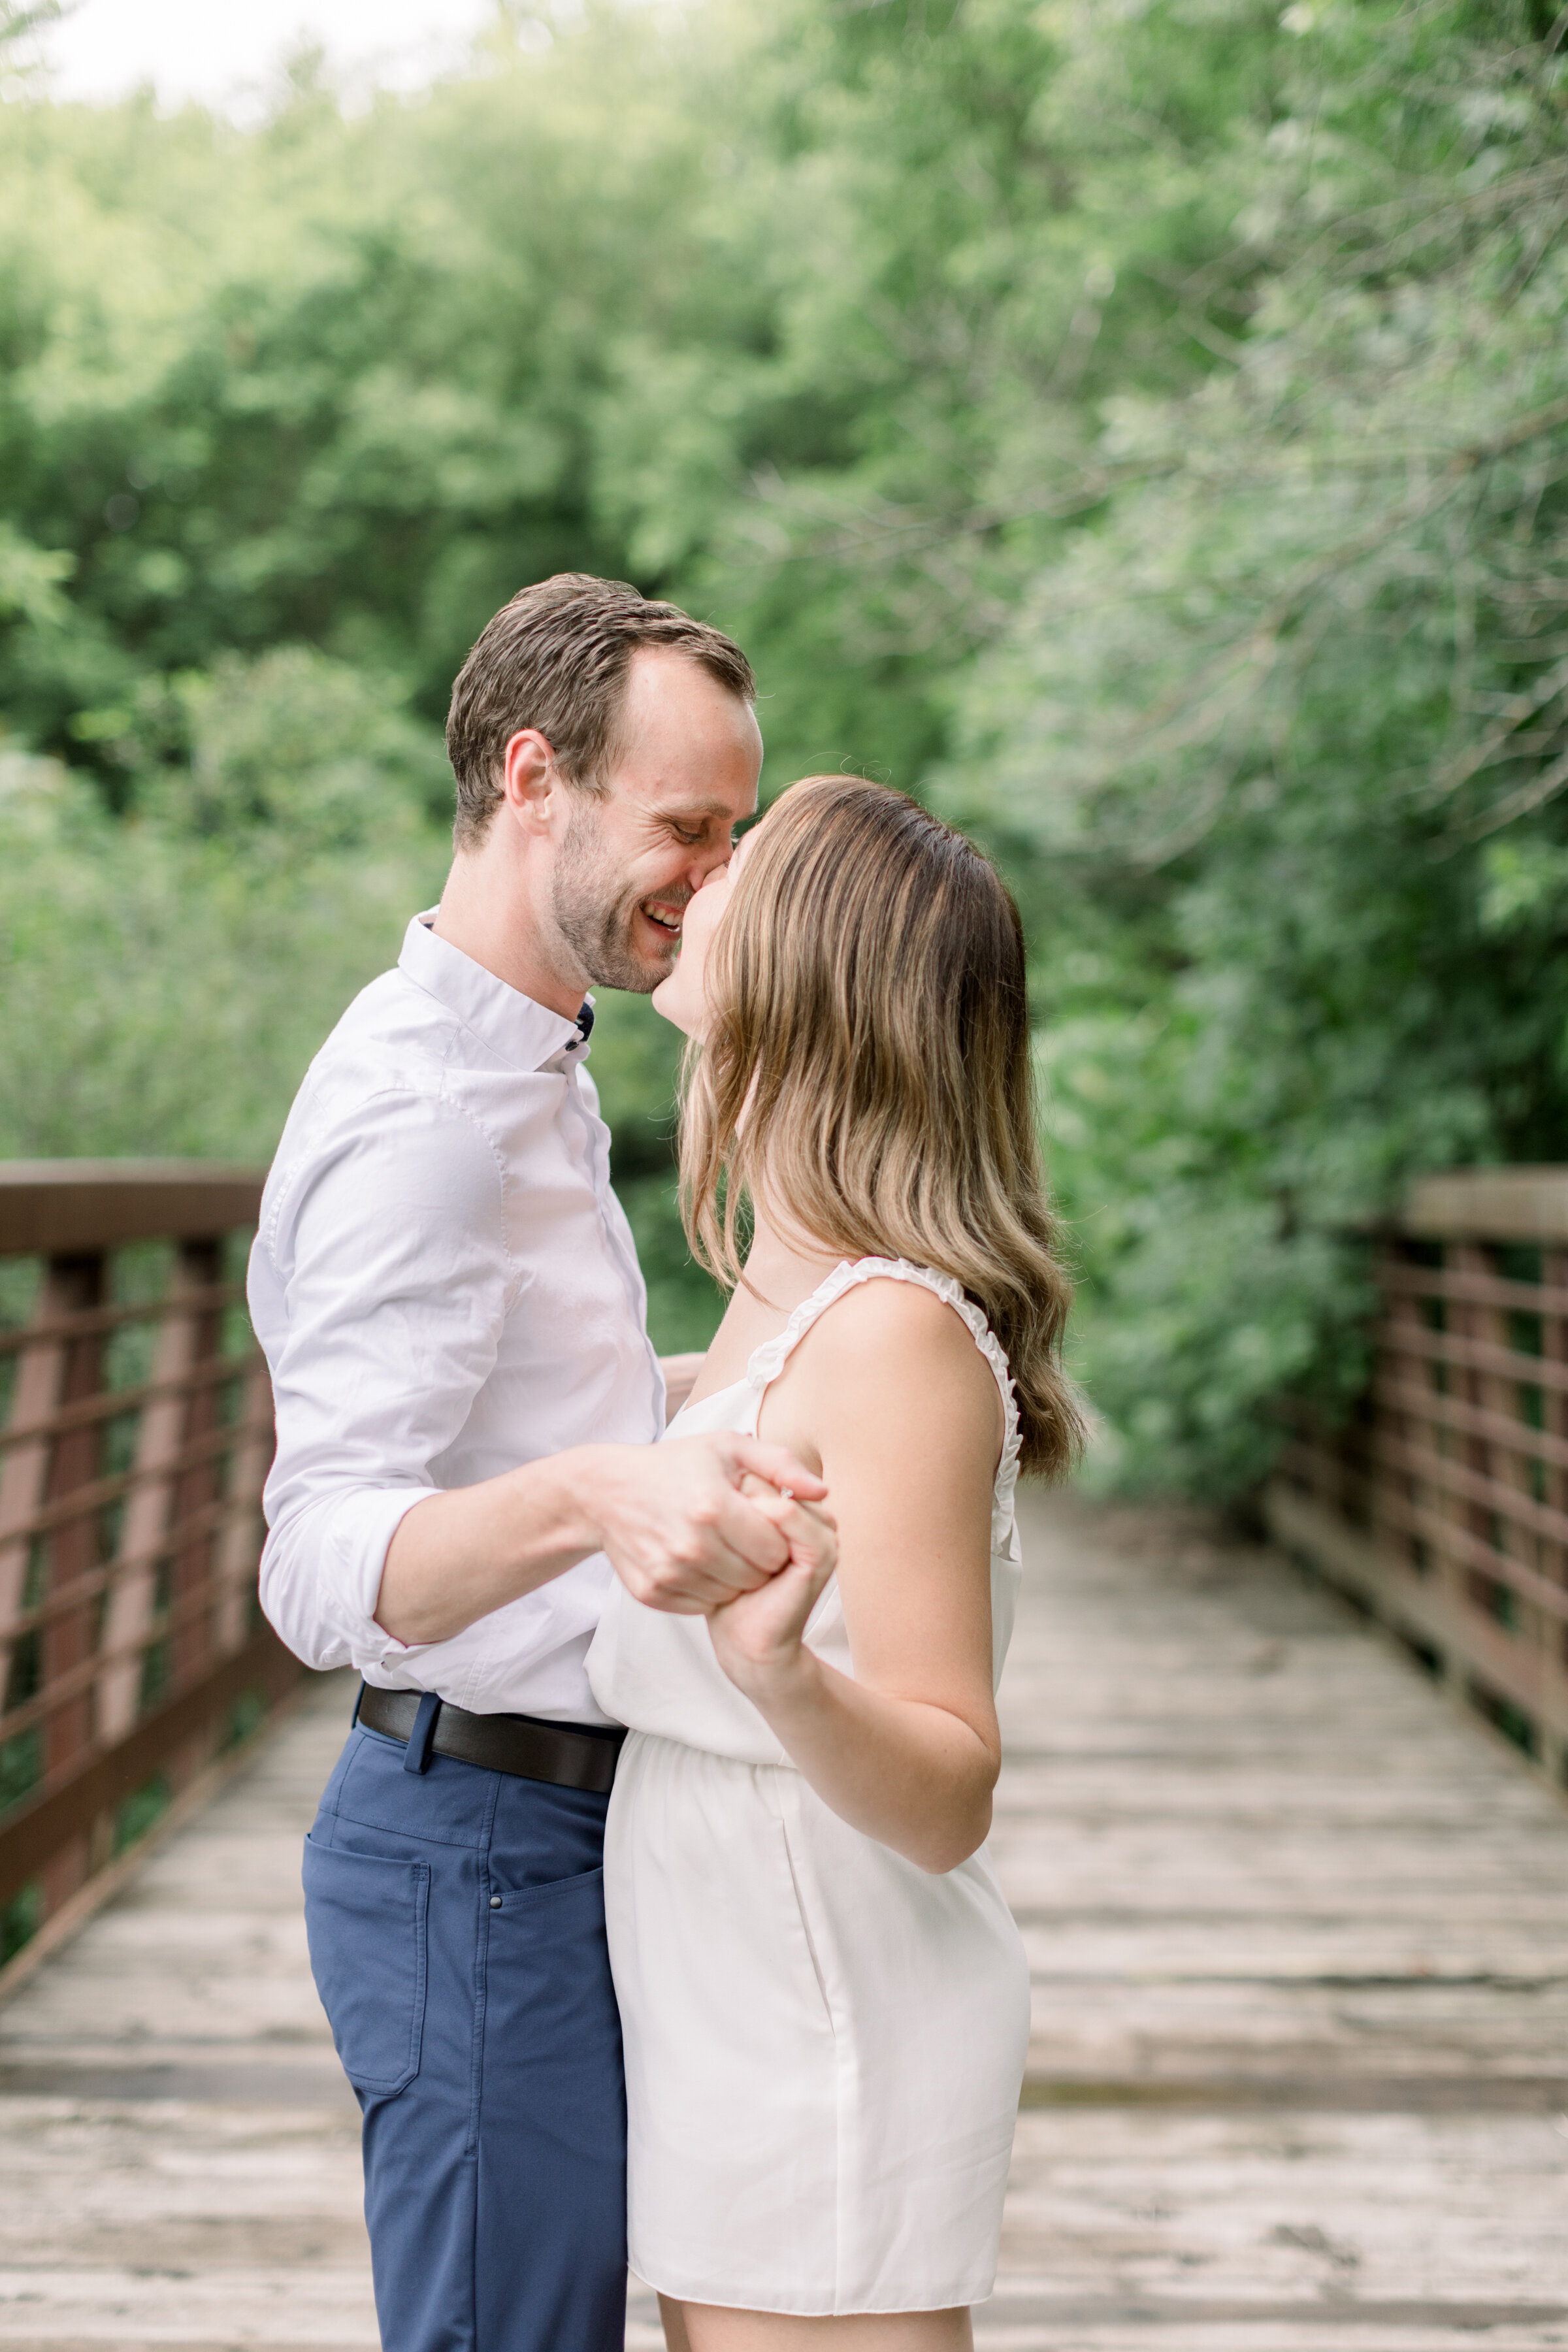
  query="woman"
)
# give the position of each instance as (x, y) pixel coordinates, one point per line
(825, 2000)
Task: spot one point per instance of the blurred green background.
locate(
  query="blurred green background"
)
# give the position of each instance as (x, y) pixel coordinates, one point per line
(1140, 427)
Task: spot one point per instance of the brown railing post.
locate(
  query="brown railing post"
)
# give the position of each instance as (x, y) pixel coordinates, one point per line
(1469, 1321)
(73, 1286)
(29, 1474)
(1399, 1331)
(24, 1469)
(130, 1627)
(196, 1488)
(243, 1532)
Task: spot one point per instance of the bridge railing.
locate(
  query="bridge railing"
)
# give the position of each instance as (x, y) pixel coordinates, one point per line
(1442, 1508)
(135, 1434)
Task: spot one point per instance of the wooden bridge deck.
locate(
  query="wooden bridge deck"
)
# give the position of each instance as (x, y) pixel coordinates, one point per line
(1299, 2079)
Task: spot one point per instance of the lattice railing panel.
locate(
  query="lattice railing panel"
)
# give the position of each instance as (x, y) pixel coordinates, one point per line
(135, 1436)
(1442, 1507)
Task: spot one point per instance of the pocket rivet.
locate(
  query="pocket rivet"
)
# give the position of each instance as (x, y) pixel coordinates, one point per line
(495, 1902)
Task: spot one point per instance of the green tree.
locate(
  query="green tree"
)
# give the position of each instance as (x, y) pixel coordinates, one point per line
(1286, 722)
(1141, 429)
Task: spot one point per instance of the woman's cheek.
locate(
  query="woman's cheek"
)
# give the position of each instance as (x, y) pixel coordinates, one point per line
(681, 998)
(694, 1002)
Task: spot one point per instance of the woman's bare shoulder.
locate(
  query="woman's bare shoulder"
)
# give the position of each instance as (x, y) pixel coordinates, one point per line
(896, 1339)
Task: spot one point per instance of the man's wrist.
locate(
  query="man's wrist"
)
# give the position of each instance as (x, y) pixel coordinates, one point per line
(577, 1483)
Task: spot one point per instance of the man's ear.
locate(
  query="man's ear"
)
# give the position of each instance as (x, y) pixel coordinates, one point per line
(530, 780)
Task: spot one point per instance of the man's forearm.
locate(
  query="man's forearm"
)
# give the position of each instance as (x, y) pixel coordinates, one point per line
(456, 1557)
(678, 1530)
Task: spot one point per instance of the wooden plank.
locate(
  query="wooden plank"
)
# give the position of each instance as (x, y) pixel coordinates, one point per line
(197, 1453)
(1509, 1498)
(1300, 1940)
(179, 2152)
(119, 1317)
(55, 1207)
(1461, 1351)
(1434, 1411)
(1495, 1204)
(1400, 1274)
(1298, 1937)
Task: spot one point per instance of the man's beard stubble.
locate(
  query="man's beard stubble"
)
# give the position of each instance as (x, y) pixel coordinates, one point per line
(594, 919)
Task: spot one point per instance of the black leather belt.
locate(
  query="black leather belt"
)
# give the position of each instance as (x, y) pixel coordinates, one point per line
(569, 1755)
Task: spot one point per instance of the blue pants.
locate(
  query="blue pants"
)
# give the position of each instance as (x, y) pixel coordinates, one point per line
(456, 1926)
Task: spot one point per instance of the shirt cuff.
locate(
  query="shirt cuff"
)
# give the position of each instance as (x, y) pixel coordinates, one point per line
(355, 1540)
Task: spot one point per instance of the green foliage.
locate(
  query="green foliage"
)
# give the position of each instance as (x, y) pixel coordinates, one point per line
(1288, 714)
(20, 1919)
(293, 755)
(1142, 428)
(136, 1814)
(165, 990)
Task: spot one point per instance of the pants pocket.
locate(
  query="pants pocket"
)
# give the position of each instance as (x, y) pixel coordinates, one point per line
(553, 2032)
(365, 1921)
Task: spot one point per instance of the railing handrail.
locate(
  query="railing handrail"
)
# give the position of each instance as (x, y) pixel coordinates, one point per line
(54, 1207)
(1494, 1204)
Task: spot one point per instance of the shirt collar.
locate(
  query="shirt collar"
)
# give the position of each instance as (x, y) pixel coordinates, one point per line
(526, 1034)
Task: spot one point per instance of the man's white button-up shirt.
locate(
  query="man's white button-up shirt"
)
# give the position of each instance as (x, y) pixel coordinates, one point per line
(445, 1286)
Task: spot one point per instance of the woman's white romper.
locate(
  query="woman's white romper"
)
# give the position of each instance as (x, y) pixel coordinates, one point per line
(824, 2043)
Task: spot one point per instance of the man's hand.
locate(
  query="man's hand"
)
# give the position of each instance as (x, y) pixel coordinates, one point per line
(681, 1535)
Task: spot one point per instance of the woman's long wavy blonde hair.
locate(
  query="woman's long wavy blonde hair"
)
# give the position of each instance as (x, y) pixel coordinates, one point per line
(867, 1063)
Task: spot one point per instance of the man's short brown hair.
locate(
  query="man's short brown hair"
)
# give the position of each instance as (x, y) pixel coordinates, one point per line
(556, 658)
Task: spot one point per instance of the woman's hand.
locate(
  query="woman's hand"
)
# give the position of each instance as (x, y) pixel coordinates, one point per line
(757, 1637)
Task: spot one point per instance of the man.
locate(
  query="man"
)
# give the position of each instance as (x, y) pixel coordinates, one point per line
(448, 1296)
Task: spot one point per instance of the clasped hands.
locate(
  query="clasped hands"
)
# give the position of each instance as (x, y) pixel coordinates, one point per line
(727, 1528)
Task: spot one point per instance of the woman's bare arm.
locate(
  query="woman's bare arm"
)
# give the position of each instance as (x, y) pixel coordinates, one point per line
(890, 1397)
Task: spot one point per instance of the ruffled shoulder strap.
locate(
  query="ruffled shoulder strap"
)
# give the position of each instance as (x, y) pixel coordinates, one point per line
(769, 1360)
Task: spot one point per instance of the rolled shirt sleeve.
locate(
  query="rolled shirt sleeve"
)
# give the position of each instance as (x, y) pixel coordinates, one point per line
(383, 1259)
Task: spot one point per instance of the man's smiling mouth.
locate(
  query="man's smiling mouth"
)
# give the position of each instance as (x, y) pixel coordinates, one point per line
(665, 919)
